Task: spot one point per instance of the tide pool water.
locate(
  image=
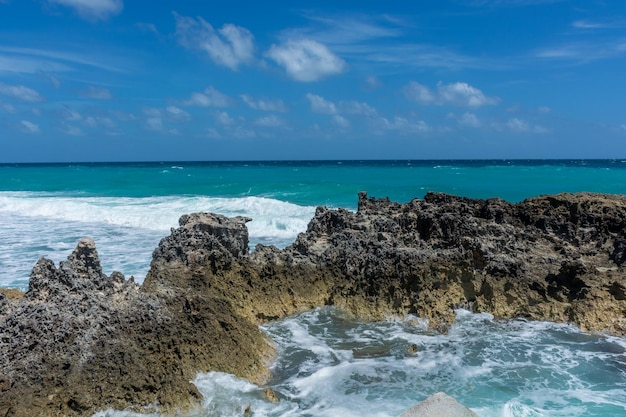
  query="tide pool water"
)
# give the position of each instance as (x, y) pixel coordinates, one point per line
(328, 365)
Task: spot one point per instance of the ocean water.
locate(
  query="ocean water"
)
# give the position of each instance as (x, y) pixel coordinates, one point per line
(328, 366)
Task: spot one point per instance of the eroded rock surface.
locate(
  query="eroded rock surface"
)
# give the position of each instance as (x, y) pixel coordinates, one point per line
(79, 341)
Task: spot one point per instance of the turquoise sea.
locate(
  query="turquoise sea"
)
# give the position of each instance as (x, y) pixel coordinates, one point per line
(328, 365)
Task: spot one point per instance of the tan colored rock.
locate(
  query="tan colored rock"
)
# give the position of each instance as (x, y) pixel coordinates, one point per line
(76, 330)
(439, 405)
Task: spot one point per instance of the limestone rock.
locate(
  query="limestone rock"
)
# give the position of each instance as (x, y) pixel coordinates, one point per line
(439, 405)
(79, 341)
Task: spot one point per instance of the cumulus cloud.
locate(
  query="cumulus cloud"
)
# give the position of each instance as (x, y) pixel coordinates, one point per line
(177, 114)
(230, 46)
(93, 9)
(71, 130)
(320, 105)
(154, 123)
(97, 93)
(29, 127)
(264, 104)
(340, 121)
(356, 107)
(20, 92)
(224, 119)
(403, 125)
(70, 115)
(270, 121)
(7, 107)
(210, 97)
(306, 60)
(469, 119)
(521, 126)
(458, 94)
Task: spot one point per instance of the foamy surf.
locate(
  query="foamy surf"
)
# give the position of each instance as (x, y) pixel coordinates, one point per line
(126, 230)
(330, 366)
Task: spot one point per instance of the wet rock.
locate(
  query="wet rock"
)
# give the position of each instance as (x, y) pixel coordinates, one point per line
(439, 405)
(79, 341)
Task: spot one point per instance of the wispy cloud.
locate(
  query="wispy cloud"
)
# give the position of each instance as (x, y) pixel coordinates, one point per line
(264, 104)
(270, 121)
(71, 130)
(470, 120)
(340, 121)
(320, 105)
(210, 97)
(93, 9)
(21, 93)
(34, 60)
(306, 60)
(457, 94)
(177, 114)
(582, 52)
(230, 46)
(401, 125)
(521, 126)
(97, 93)
(29, 127)
(382, 40)
(511, 3)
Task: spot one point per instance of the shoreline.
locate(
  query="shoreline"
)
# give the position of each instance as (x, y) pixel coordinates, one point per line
(556, 258)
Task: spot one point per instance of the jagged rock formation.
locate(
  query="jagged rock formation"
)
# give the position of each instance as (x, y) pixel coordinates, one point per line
(79, 341)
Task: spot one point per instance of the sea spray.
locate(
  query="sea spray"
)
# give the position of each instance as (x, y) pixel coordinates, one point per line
(329, 365)
(126, 230)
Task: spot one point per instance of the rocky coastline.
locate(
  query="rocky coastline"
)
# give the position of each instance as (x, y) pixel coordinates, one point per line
(79, 341)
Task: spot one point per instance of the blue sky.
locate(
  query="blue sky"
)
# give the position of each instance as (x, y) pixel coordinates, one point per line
(123, 80)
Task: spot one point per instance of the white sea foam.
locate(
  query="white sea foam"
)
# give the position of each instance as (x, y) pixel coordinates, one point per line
(485, 364)
(126, 230)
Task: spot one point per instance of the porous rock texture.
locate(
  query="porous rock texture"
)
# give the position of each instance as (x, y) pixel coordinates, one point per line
(79, 341)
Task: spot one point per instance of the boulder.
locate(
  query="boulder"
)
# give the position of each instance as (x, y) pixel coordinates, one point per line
(439, 405)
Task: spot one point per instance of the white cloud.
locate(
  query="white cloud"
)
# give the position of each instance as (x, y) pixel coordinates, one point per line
(420, 93)
(544, 109)
(521, 126)
(70, 115)
(463, 94)
(224, 119)
(372, 82)
(458, 94)
(212, 133)
(97, 93)
(306, 60)
(320, 105)
(154, 123)
(7, 107)
(20, 92)
(230, 46)
(93, 9)
(72, 130)
(469, 119)
(340, 121)
(403, 125)
(29, 127)
(210, 97)
(177, 114)
(270, 121)
(357, 107)
(264, 104)
(243, 133)
(585, 24)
